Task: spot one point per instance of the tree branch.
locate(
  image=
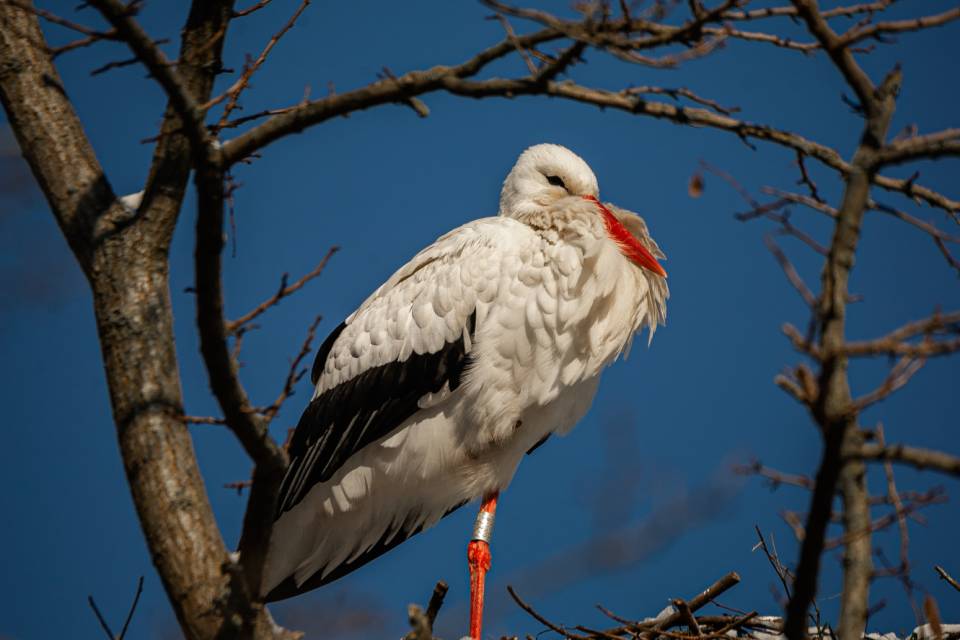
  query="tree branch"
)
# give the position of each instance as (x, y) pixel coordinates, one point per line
(832, 410)
(60, 156)
(895, 343)
(790, 12)
(840, 53)
(927, 147)
(247, 611)
(857, 552)
(453, 80)
(232, 95)
(946, 576)
(251, 429)
(125, 259)
(913, 456)
(142, 45)
(877, 29)
(199, 62)
(285, 290)
(294, 374)
(790, 271)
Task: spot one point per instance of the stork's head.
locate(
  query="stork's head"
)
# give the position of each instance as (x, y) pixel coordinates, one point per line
(544, 175)
(547, 174)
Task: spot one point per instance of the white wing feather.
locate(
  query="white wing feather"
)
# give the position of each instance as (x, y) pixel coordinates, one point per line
(428, 301)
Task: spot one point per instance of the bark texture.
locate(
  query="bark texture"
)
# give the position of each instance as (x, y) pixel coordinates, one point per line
(124, 256)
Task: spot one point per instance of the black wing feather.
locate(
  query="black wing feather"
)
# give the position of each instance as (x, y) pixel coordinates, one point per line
(288, 588)
(343, 420)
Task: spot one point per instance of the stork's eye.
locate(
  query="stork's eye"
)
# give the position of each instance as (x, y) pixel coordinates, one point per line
(556, 181)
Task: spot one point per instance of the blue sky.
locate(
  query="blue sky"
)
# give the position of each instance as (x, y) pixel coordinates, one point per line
(644, 484)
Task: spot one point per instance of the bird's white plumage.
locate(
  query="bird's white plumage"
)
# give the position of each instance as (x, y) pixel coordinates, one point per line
(555, 301)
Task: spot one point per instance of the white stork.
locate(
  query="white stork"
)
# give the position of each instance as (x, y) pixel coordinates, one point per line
(471, 355)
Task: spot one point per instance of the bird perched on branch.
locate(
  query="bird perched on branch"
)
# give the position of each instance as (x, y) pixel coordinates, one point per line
(470, 356)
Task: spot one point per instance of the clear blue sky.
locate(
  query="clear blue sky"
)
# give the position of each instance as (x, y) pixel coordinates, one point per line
(652, 461)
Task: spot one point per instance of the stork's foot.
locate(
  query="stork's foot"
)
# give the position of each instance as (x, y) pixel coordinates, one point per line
(478, 559)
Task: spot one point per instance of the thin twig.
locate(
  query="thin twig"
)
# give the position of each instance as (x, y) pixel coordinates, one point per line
(903, 569)
(100, 619)
(806, 179)
(294, 374)
(935, 497)
(79, 43)
(63, 22)
(681, 92)
(786, 578)
(512, 36)
(946, 576)
(542, 620)
(251, 9)
(285, 290)
(232, 95)
(133, 607)
(126, 622)
(148, 53)
(790, 271)
(878, 29)
(900, 374)
(119, 64)
(648, 630)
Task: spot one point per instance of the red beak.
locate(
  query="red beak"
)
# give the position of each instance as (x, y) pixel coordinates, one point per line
(629, 245)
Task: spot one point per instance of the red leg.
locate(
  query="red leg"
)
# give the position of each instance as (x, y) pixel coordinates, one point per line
(478, 559)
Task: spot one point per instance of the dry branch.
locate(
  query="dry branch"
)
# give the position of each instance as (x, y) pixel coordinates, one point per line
(542, 620)
(879, 29)
(832, 409)
(294, 374)
(455, 80)
(681, 92)
(147, 52)
(53, 18)
(790, 11)
(285, 290)
(940, 238)
(913, 456)
(946, 576)
(932, 497)
(903, 569)
(260, 4)
(127, 620)
(790, 271)
(711, 626)
(240, 416)
(232, 95)
(648, 632)
(421, 622)
(125, 258)
(250, 428)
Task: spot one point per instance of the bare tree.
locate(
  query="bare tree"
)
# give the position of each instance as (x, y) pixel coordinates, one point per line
(122, 246)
